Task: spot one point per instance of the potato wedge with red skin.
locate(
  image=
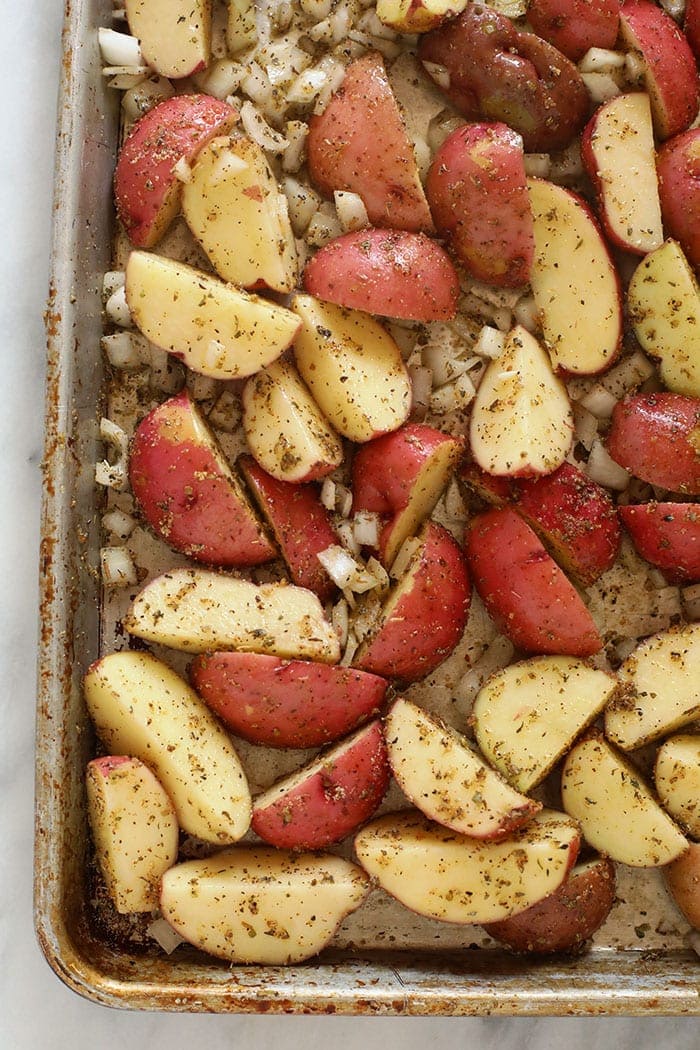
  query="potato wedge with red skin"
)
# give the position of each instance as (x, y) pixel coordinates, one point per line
(678, 168)
(146, 190)
(188, 493)
(691, 26)
(417, 16)
(667, 535)
(499, 73)
(494, 489)
(327, 799)
(524, 590)
(478, 196)
(656, 437)
(574, 517)
(574, 26)
(564, 921)
(286, 703)
(300, 523)
(359, 143)
(393, 273)
(682, 877)
(175, 35)
(424, 615)
(671, 75)
(677, 780)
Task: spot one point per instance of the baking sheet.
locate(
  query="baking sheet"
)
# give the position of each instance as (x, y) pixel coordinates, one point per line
(384, 959)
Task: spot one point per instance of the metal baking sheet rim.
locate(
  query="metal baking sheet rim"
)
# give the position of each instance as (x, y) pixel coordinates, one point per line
(468, 983)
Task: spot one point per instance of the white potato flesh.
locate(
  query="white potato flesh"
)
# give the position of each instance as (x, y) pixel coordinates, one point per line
(175, 35)
(216, 329)
(140, 707)
(663, 299)
(199, 611)
(353, 369)
(234, 208)
(521, 421)
(622, 142)
(617, 811)
(286, 430)
(441, 774)
(573, 275)
(417, 16)
(677, 780)
(661, 688)
(443, 875)
(528, 714)
(261, 905)
(134, 828)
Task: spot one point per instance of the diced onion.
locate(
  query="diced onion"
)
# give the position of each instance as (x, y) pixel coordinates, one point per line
(117, 309)
(351, 211)
(163, 933)
(498, 654)
(324, 226)
(295, 132)
(182, 171)
(421, 386)
(222, 78)
(202, 388)
(376, 569)
(340, 620)
(601, 86)
(630, 373)
(166, 371)
(365, 526)
(118, 523)
(327, 496)
(117, 567)
(111, 282)
(601, 60)
(599, 401)
(119, 49)
(602, 468)
(585, 426)
(226, 413)
(537, 165)
(635, 69)
(260, 131)
(347, 537)
(145, 95)
(113, 475)
(690, 597)
(303, 204)
(439, 74)
(307, 86)
(316, 9)
(345, 571)
(126, 350)
(490, 343)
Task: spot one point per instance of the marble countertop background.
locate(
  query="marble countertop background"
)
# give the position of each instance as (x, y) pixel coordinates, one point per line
(36, 1010)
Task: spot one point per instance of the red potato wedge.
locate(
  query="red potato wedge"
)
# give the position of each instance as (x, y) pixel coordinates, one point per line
(678, 167)
(403, 474)
(443, 776)
(574, 26)
(300, 523)
(521, 422)
(175, 35)
(392, 273)
(359, 143)
(197, 611)
(327, 799)
(682, 879)
(491, 488)
(527, 715)
(566, 920)
(134, 829)
(285, 429)
(575, 518)
(656, 437)
(146, 190)
(424, 615)
(617, 149)
(140, 707)
(670, 73)
(663, 302)
(667, 535)
(286, 703)
(497, 72)
(216, 329)
(256, 904)
(452, 878)
(477, 191)
(661, 691)
(524, 590)
(677, 780)
(417, 16)
(691, 26)
(566, 230)
(188, 493)
(617, 811)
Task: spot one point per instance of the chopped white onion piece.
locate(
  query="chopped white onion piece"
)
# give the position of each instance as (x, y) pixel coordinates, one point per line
(601, 60)
(350, 209)
(117, 567)
(327, 496)
(340, 620)
(324, 226)
(691, 601)
(526, 313)
(351, 647)
(307, 86)
(490, 343)
(260, 131)
(439, 74)
(630, 373)
(112, 434)
(226, 414)
(365, 526)
(295, 132)
(499, 297)
(117, 310)
(599, 401)
(567, 164)
(443, 364)
(602, 468)
(113, 475)
(126, 350)
(376, 569)
(321, 32)
(111, 282)
(119, 49)
(303, 204)
(503, 318)
(635, 69)
(421, 387)
(509, 8)
(166, 371)
(368, 610)
(668, 601)
(343, 500)
(585, 426)
(441, 127)
(182, 171)
(347, 537)
(316, 9)
(202, 388)
(118, 523)
(345, 571)
(221, 78)
(537, 165)
(369, 23)
(162, 932)
(145, 95)
(125, 81)
(336, 74)
(601, 86)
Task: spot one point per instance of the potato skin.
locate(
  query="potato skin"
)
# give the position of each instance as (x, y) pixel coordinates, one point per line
(564, 921)
(499, 73)
(573, 26)
(667, 535)
(678, 168)
(656, 437)
(682, 879)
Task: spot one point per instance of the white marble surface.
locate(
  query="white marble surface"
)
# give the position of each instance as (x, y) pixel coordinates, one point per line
(36, 1011)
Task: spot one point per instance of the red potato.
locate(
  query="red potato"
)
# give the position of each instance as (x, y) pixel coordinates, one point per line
(393, 273)
(497, 72)
(573, 26)
(656, 437)
(187, 491)
(671, 76)
(286, 703)
(478, 196)
(682, 878)
(328, 798)
(667, 535)
(146, 190)
(678, 167)
(425, 614)
(175, 35)
(524, 590)
(359, 143)
(691, 25)
(417, 16)
(496, 490)
(575, 518)
(300, 523)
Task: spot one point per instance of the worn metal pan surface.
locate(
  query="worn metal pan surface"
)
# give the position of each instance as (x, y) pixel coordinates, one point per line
(423, 972)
